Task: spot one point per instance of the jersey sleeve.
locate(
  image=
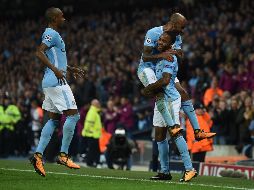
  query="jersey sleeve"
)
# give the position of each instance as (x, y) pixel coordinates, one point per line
(49, 38)
(169, 67)
(150, 39)
(178, 43)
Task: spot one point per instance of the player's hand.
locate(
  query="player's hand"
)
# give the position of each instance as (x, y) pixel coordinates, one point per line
(77, 72)
(171, 51)
(147, 93)
(178, 53)
(60, 76)
(167, 56)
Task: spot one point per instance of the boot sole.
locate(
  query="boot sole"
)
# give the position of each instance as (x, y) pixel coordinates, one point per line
(60, 163)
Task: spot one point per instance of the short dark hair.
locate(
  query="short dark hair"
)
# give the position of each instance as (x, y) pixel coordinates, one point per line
(50, 14)
(172, 36)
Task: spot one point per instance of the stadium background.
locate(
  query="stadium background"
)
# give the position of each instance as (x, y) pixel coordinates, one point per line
(105, 38)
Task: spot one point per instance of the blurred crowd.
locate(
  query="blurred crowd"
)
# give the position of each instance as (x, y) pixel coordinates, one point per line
(217, 69)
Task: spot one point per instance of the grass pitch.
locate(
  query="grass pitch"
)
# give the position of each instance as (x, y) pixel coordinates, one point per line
(19, 175)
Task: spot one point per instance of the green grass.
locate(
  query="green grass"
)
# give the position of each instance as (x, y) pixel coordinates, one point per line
(59, 177)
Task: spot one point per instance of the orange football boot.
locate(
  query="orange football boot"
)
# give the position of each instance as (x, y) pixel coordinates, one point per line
(65, 160)
(36, 161)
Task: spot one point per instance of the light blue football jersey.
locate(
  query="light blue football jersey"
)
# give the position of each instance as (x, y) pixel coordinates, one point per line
(56, 54)
(151, 38)
(165, 66)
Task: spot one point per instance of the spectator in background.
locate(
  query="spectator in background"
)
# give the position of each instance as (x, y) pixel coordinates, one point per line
(110, 117)
(144, 120)
(92, 132)
(233, 127)
(119, 150)
(242, 78)
(251, 72)
(10, 116)
(37, 117)
(202, 84)
(199, 148)
(227, 79)
(221, 123)
(246, 118)
(23, 133)
(251, 128)
(211, 92)
(126, 119)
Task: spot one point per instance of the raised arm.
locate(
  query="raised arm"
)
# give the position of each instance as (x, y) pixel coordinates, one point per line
(149, 45)
(149, 57)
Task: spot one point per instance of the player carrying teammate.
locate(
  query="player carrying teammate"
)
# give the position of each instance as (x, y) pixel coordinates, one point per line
(166, 73)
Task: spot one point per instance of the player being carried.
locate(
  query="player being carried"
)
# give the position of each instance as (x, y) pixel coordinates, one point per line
(58, 95)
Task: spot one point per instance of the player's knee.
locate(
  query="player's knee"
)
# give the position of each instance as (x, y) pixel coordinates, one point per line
(160, 103)
(74, 118)
(175, 136)
(54, 122)
(71, 121)
(160, 138)
(49, 128)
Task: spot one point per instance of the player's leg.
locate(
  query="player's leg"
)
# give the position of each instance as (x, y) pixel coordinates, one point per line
(65, 102)
(163, 148)
(189, 110)
(72, 117)
(181, 144)
(46, 132)
(147, 76)
(162, 105)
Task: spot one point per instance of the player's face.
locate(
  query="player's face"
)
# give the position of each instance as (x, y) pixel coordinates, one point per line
(164, 42)
(60, 18)
(179, 27)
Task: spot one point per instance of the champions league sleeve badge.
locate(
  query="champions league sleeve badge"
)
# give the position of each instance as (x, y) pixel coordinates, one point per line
(148, 40)
(48, 38)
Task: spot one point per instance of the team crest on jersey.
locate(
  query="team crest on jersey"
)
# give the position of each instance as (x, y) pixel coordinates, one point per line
(148, 40)
(48, 38)
(170, 66)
